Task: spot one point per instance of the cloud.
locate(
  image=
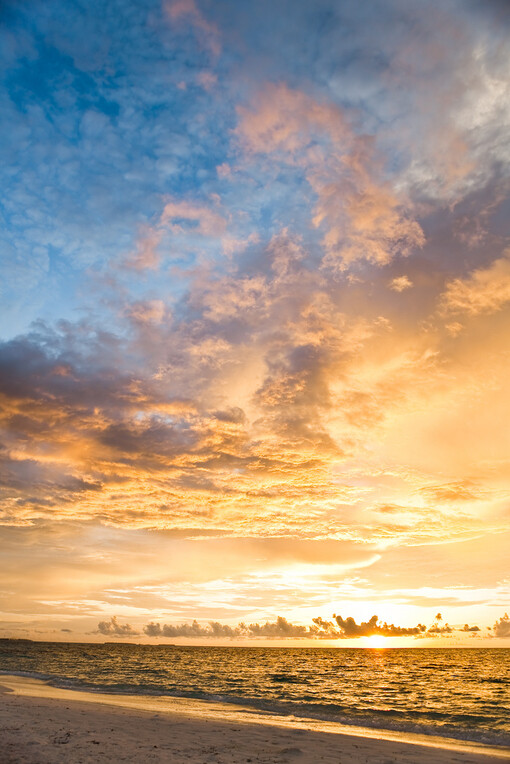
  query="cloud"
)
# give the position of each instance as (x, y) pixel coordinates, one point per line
(279, 629)
(147, 312)
(169, 413)
(256, 386)
(452, 492)
(363, 217)
(179, 225)
(501, 628)
(437, 629)
(485, 290)
(101, 148)
(203, 220)
(457, 107)
(350, 629)
(95, 567)
(146, 254)
(338, 628)
(207, 79)
(113, 628)
(399, 283)
(207, 31)
(215, 243)
(468, 628)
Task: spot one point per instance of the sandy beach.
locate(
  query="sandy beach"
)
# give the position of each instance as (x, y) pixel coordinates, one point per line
(40, 724)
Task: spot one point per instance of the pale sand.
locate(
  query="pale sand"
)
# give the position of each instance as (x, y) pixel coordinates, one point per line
(40, 724)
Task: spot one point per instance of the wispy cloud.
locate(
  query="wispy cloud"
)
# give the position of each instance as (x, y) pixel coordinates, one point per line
(485, 290)
(187, 10)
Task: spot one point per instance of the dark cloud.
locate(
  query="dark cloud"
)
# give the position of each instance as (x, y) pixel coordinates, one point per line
(438, 628)
(193, 630)
(468, 628)
(69, 399)
(337, 628)
(279, 629)
(113, 628)
(350, 629)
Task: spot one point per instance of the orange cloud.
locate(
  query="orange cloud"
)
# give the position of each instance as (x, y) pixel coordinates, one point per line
(485, 290)
(178, 219)
(146, 254)
(363, 217)
(399, 283)
(208, 223)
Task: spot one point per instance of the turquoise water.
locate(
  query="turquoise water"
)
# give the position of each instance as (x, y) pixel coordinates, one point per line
(460, 693)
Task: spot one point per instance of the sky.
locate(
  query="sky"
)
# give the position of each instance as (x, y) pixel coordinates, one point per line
(255, 320)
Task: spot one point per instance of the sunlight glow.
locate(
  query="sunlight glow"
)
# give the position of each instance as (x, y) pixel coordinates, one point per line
(376, 641)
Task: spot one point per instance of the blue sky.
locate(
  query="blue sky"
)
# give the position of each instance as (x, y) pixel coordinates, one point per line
(106, 112)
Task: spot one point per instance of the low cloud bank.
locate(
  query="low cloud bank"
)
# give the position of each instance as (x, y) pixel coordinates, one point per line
(338, 628)
(281, 628)
(349, 629)
(113, 628)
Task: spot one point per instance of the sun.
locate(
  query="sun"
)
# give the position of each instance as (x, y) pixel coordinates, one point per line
(376, 641)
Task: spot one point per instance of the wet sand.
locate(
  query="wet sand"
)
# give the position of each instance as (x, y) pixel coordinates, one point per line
(40, 724)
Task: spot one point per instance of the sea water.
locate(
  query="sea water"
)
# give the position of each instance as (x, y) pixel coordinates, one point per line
(458, 693)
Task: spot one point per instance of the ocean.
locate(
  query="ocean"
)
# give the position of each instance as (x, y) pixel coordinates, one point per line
(457, 693)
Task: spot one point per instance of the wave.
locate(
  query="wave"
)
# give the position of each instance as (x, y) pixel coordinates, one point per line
(285, 678)
(495, 680)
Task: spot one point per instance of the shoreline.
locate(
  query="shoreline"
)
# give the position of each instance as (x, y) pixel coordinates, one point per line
(52, 724)
(285, 715)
